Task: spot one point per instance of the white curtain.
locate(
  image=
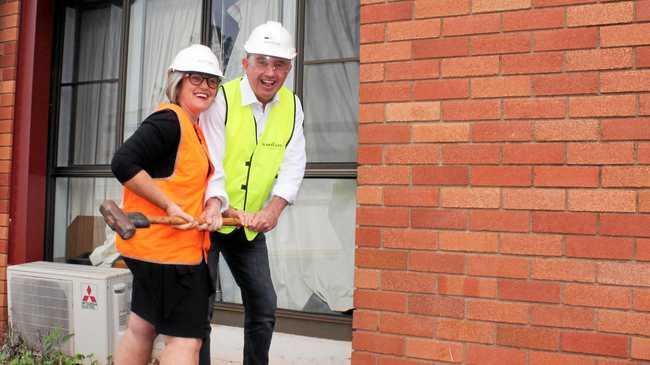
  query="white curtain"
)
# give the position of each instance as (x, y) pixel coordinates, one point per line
(96, 95)
(157, 31)
(311, 251)
(331, 93)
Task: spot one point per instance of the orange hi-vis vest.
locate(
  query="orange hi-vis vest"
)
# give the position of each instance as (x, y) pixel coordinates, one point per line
(186, 187)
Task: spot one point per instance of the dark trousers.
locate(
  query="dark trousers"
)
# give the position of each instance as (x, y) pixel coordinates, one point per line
(249, 264)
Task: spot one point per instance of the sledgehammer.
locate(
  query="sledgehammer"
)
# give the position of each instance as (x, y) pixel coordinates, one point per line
(124, 224)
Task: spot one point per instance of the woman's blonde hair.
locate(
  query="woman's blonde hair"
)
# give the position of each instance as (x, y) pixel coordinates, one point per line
(172, 87)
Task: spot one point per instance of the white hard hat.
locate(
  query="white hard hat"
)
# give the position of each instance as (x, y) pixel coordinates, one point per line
(196, 58)
(271, 39)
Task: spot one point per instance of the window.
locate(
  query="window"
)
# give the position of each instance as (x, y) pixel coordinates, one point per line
(86, 118)
(89, 84)
(113, 57)
(312, 248)
(331, 80)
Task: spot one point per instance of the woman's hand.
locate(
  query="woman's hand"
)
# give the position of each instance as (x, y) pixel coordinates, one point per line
(211, 215)
(174, 210)
(143, 185)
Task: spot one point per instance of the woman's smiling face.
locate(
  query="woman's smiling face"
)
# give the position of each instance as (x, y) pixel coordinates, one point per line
(196, 93)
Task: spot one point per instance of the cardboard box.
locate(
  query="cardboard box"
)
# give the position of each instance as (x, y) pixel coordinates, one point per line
(83, 235)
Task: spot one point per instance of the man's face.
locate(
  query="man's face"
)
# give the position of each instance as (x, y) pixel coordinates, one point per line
(266, 75)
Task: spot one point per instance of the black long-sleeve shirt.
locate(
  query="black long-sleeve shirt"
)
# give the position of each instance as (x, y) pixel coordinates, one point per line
(152, 148)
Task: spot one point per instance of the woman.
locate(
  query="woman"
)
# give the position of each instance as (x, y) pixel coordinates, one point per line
(164, 167)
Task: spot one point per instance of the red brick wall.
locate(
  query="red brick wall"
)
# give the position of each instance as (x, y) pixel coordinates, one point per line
(504, 183)
(9, 21)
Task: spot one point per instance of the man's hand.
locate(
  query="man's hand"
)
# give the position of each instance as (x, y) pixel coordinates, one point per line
(267, 218)
(211, 215)
(243, 217)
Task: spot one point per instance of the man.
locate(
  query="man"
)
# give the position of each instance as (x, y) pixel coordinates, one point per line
(255, 128)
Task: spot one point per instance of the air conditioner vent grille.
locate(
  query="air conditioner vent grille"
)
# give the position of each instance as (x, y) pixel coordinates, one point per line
(40, 305)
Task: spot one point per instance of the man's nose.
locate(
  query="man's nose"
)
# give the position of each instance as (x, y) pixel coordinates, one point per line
(269, 69)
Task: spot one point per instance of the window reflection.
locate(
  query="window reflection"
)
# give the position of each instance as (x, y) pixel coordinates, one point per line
(78, 225)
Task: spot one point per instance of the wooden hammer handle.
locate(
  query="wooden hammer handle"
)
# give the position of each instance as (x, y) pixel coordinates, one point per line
(178, 220)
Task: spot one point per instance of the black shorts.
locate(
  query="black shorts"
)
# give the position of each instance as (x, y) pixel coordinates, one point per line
(173, 298)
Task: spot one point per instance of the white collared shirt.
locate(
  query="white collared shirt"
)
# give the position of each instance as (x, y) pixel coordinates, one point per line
(292, 168)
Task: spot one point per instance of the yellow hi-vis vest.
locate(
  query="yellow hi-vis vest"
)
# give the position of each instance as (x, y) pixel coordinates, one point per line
(251, 166)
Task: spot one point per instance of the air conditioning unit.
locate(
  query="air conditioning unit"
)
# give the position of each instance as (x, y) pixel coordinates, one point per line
(92, 303)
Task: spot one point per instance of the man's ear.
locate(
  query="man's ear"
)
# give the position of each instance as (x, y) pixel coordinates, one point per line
(244, 63)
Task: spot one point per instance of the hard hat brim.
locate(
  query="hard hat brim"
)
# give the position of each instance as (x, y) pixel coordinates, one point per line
(205, 72)
(273, 53)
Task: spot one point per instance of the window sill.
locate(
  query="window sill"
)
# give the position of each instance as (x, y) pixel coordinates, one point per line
(333, 327)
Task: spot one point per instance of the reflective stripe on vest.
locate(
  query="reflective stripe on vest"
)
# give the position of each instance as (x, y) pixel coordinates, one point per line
(251, 166)
(186, 187)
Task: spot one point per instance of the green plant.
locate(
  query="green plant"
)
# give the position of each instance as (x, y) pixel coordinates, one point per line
(15, 351)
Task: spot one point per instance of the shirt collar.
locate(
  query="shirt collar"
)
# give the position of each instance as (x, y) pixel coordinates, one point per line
(248, 96)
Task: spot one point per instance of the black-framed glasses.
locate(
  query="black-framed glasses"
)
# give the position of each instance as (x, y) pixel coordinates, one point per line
(196, 79)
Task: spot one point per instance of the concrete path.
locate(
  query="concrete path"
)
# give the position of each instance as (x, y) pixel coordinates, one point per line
(227, 344)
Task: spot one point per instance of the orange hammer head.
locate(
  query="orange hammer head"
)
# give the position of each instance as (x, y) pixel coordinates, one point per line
(116, 219)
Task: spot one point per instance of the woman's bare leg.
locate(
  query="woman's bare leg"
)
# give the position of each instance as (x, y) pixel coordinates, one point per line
(136, 344)
(180, 351)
